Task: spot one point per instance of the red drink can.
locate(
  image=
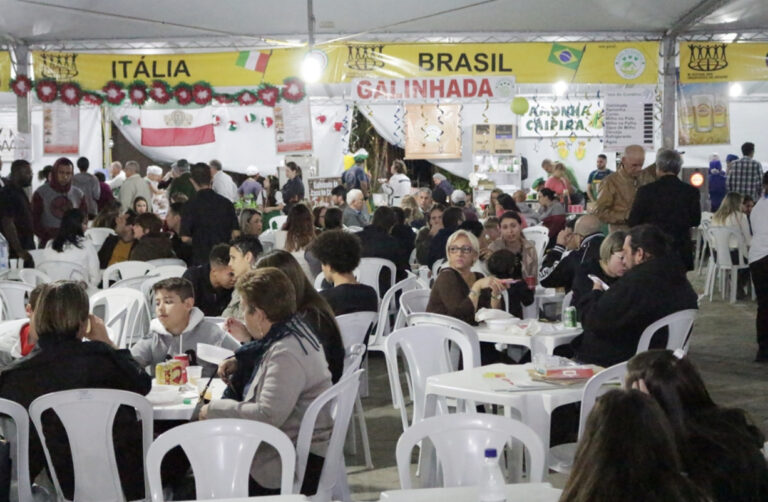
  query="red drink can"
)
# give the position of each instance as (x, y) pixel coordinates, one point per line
(184, 360)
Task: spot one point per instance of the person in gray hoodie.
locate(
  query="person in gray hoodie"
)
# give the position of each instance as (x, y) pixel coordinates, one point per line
(178, 328)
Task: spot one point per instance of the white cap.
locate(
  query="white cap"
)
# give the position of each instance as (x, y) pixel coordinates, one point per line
(458, 196)
(157, 170)
(360, 153)
(252, 171)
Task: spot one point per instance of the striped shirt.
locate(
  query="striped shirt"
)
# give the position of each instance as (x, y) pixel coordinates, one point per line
(745, 176)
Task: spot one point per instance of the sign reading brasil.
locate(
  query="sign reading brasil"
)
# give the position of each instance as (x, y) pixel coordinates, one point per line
(610, 63)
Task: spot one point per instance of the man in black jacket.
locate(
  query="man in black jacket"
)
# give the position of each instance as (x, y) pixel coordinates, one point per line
(558, 268)
(672, 205)
(117, 248)
(213, 282)
(654, 287)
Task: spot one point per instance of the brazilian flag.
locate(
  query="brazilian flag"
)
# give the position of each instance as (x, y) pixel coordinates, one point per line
(565, 56)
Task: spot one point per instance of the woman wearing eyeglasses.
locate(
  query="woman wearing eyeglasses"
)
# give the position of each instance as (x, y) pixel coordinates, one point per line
(608, 268)
(459, 292)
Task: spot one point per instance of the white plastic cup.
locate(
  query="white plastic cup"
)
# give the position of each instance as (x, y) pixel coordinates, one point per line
(194, 373)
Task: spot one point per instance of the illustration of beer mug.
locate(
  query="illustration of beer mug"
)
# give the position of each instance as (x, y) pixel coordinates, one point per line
(686, 113)
(702, 112)
(720, 112)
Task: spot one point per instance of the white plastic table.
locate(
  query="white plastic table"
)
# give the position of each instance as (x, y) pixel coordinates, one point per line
(181, 411)
(551, 335)
(542, 296)
(528, 492)
(274, 498)
(534, 401)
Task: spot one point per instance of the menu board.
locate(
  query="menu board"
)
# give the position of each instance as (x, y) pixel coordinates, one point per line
(320, 189)
(293, 127)
(61, 129)
(628, 119)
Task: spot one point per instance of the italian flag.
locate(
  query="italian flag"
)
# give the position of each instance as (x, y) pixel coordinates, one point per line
(176, 127)
(253, 60)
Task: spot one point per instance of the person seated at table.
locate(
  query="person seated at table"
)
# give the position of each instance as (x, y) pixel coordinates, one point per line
(178, 328)
(703, 430)
(608, 267)
(434, 223)
(318, 216)
(181, 249)
(505, 203)
(513, 239)
(311, 308)
(653, 287)
(140, 205)
(333, 217)
(504, 264)
(20, 338)
(285, 373)
(551, 212)
(627, 452)
(377, 242)
(459, 292)
(152, 243)
(453, 217)
(70, 245)
(526, 212)
(491, 232)
(730, 214)
(62, 362)
(243, 253)
(339, 254)
(404, 233)
(573, 248)
(117, 248)
(250, 222)
(296, 236)
(213, 282)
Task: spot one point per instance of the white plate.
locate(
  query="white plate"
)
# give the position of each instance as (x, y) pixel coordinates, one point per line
(502, 323)
(164, 394)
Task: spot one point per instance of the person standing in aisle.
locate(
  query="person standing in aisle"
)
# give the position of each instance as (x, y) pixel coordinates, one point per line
(596, 177)
(51, 200)
(222, 182)
(88, 184)
(758, 268)
(745, 175)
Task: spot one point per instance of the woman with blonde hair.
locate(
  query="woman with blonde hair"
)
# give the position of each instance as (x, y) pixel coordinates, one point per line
(730, 214)
(412, 210)
(608, 268)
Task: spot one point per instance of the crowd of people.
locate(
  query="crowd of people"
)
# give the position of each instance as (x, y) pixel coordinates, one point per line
(625, 263)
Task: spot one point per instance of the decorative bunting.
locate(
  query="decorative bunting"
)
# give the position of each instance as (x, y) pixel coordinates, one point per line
(70, 93)
(46, 90)
(138, 93)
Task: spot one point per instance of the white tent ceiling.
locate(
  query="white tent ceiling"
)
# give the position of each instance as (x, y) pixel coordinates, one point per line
(51, 23)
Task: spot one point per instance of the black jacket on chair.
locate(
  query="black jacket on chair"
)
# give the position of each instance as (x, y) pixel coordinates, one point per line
(558, 268)
(673, 206)
(614, 320)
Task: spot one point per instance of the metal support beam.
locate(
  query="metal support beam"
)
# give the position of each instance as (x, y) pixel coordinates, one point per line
(693, 16)
(23, 140)
(669, 76)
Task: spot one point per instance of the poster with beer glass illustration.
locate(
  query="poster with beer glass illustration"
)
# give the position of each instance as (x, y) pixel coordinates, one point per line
(702, 114)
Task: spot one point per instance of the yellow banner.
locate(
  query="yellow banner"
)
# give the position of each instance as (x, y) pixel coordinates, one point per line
(720, 62)
(606, 63)
(5, 71)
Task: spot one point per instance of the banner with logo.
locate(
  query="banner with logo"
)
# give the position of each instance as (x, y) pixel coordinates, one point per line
(431, 89)
(595, 62)
(433, 132)
(561, 118)
(702, 112)
(721, 62)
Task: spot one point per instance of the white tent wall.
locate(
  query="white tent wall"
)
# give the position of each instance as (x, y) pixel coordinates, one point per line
(252, 143)
(90, 139)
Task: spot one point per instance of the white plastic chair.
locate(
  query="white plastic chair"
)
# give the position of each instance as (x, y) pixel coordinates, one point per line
(383, 324)
(33, 277)
(87, 416)
(125, 270)
(720, 262)
(319, 281)
(426, 353)
(369, 270)
(16, 432)
(702, 242)
(333, 477)
(353, 358)
(130, 283)
(354, 328)
(457, 325)
(163, 262)
(97, 235)
(14, 295)
(220, 452)
(540, 240)
(125, 313)
(460, 441)
(168, 271)
(353, 229)
(561, 456)
(535, 230)
(678, 325)
(277, 222)
(412, 301)
(60, 270)
(440, 263)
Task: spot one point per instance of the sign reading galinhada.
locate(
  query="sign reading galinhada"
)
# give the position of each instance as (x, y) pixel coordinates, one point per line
(550, 118)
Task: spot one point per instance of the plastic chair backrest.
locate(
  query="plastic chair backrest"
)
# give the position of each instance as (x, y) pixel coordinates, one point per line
(540, 241)
(18, 436)
(678, 324)
(369, 270)
(719, 239)
(319, 281)
(162, 262)
(120, 302)
(460, 441)
(592, 388)
(87, 416)
(353, 358)
(411, 301)
(425, 348)
(436, 267)
(14, 295)
(354, 327)
(706, 217)
(567, 299)
(535, 230)
(131, 283)
(97, 235)
(220, 452)
(383, 325)
(125, 270)
(341, 398)
(60, 270)
(457, 325)
(168, 271)
(276, 223)
(33, 277)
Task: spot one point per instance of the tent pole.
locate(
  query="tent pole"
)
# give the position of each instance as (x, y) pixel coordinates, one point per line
(23, 142)
(669, 74)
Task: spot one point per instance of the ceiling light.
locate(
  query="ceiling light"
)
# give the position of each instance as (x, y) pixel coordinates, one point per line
(736, 90)
(313, 65)
(560, 87)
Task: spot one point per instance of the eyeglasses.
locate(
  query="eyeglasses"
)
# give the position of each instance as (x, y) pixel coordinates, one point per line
(462, 250)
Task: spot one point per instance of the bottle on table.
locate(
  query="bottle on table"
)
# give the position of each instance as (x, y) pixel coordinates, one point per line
(492, 482)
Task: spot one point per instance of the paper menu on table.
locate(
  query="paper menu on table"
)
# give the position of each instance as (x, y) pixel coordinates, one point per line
(503, 382)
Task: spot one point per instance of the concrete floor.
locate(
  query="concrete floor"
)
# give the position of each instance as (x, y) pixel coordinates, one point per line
(723, 348)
